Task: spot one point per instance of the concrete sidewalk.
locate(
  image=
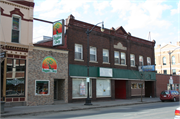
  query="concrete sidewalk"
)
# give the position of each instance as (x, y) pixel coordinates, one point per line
(26, 110)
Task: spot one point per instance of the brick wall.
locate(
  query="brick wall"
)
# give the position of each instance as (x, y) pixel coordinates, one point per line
(35, 73)
(162, 80)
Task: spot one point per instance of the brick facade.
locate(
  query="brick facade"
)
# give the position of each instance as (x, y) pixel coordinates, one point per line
(35, 73)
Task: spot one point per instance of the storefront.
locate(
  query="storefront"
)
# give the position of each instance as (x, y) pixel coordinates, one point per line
(47, 76)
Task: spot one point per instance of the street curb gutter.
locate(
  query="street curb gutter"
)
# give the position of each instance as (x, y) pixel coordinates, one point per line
(84, 108)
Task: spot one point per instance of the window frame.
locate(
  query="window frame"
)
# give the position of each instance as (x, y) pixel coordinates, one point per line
(92, 54)
(48, 88)
(81, 46)
(104, 50)
(132, 60)
(142, 60)
(19, 17)
(116, 58)
(124, 58)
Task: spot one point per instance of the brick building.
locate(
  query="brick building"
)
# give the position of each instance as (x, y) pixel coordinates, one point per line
(16, 21)
(115, 56)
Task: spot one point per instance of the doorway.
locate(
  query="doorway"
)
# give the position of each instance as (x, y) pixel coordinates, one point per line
(120, 89)
(59, 89)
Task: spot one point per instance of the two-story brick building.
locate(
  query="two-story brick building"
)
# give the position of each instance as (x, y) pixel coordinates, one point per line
(16, 27)
(113, 66)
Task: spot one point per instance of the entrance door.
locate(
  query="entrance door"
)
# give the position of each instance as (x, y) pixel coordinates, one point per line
(120, 89)
(55, 89)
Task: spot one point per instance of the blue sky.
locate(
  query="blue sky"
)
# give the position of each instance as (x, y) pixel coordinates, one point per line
(139, 17)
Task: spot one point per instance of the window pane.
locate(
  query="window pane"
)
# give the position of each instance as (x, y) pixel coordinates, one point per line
(123, 58)
(148, 60)
(15, 36)
(42, 87)
(15, 87)
(15, 23)
(105, 59)
(116, 57)
(92, 58)
(132, 60)
(103, 88)
(92, 51)
(105, 53)
(77, 55)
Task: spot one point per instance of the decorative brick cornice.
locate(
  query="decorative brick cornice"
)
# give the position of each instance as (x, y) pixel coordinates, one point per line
(14, 48)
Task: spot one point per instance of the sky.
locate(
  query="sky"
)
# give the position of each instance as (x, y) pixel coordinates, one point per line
(157, 20)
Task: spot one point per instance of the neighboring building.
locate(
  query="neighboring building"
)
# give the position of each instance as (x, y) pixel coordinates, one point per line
(163, 59)
(16, 28)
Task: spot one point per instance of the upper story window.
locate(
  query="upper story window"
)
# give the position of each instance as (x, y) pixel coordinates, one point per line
(173, 60)
(174, 71)
(123, 58)
(165, 71)
(16, 29)
(164, 60)
(148, 61)
(105, 55)
(141, 61)
(78, 51)
(93, 56)
(132, 57)
(116, 57)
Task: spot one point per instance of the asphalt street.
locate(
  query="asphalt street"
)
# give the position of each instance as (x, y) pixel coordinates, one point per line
(160, 110)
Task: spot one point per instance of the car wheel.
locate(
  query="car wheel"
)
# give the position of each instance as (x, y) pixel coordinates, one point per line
(162, 100)
(174, 99)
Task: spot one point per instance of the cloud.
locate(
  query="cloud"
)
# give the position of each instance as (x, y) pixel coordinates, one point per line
(176, 11)
(100, 6)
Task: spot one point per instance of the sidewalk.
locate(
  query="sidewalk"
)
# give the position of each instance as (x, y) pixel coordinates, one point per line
(25, 110)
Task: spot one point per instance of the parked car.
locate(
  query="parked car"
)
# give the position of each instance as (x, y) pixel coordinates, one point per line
(169, 95)
(177, 113)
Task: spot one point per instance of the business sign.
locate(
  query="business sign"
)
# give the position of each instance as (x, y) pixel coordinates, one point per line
(49, 65)
(58, 33)
(105, 72)
(147, 68)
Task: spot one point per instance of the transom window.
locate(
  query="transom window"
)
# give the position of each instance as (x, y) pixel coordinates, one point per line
(15, 29)
(141, 61)
(164, 60)
(132, 56)
(105, 55)
(116, 57)
(123, 58)
(93, 54)
(78, 52)
(148, 61)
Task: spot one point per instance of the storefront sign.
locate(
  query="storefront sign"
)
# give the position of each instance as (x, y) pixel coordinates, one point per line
(49, 64)
(105, 72)
(147, 68)
(2, 54)
(58, 33)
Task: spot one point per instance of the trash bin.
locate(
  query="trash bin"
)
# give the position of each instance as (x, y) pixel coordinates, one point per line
(2, 106)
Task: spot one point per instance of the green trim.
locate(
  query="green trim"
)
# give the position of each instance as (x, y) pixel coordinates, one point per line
(80, 70)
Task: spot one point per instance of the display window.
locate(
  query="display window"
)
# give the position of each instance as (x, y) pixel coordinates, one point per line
(103, 88)
(79, 89)
(15, 77)
(134, 86)
(42, 87)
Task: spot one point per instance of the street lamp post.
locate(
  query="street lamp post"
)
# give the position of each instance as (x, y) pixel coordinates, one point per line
(170, 52)
(88, 100)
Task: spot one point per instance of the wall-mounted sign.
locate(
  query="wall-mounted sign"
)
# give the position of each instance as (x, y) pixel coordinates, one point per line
(2, 54)
(105, 72)
(49, 64)
(58, 33)
(147, 68)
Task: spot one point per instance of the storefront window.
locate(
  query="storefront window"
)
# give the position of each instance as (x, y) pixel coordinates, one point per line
(103, 87)
(42, 87)
(80, 88)
(140, 85)
(133, 85)
(15, 77)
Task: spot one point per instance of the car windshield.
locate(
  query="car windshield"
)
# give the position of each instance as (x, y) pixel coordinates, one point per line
(165, 92)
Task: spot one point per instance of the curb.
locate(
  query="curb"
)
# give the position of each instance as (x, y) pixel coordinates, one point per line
(65, 110)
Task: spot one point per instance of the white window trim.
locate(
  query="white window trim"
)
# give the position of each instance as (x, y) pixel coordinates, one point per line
(124, 58)
(134, 60)
(16, 16)
(48, 88)
(108, 56)
(118, 58)
(81, 52)
(95, 54)
(147, 60)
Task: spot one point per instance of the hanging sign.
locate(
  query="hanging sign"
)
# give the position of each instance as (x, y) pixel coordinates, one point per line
(58, 33)
(49, 64)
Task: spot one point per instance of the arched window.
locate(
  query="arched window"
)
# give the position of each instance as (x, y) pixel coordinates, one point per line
(164, 60)
(173, 60)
